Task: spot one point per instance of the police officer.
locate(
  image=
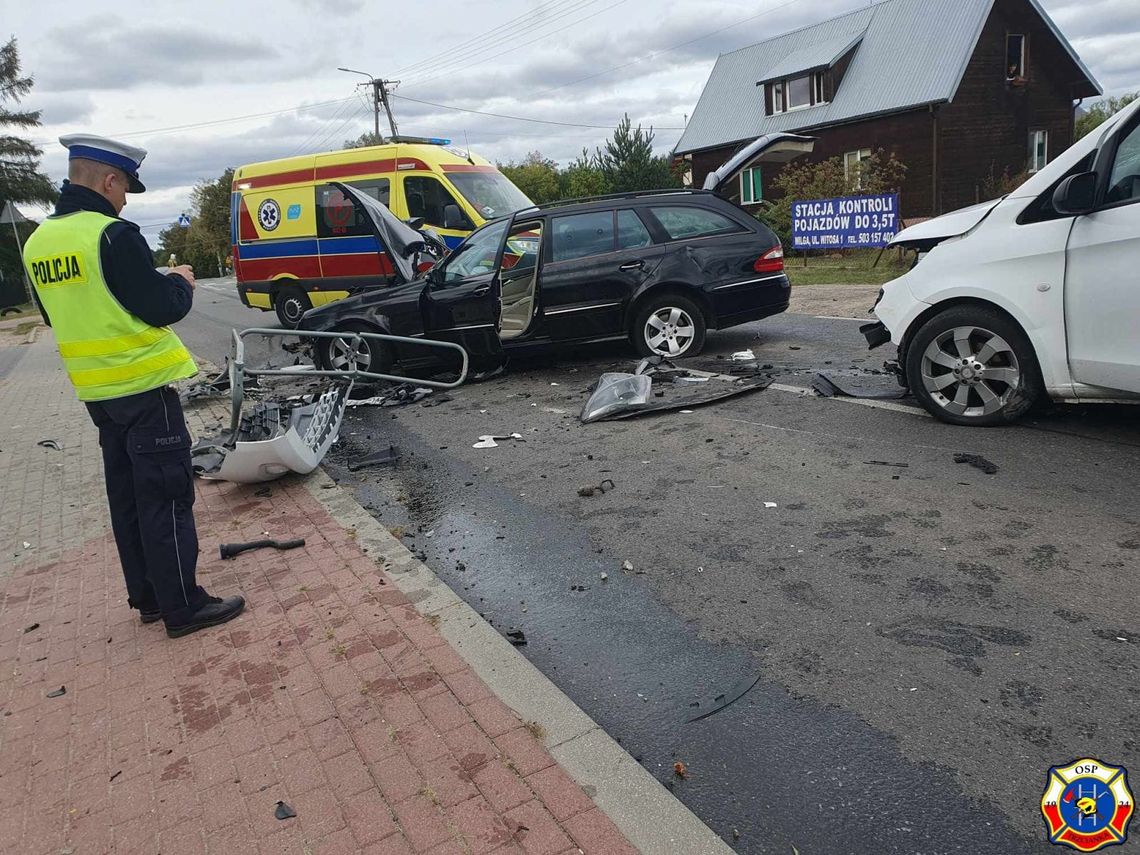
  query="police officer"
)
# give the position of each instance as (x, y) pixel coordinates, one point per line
(110, 309)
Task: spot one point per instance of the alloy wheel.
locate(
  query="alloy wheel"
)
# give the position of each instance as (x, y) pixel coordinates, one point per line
(970, 371)
(669, 331)
(343, 355)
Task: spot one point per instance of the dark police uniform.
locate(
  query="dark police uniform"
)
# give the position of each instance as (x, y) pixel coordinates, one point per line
(113, 310)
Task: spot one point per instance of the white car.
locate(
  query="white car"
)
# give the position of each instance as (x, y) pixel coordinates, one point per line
(1037, 293)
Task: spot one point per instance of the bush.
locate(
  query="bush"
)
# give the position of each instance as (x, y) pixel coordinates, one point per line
(828, 179)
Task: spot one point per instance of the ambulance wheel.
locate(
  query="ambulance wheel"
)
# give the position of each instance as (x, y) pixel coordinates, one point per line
(338, 354)
(291, 303)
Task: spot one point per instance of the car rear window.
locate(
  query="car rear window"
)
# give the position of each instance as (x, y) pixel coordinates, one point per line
(688, 222)
(579, 235)
(631, 232)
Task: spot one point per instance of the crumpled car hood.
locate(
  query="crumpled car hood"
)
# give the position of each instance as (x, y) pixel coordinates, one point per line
(947, 226)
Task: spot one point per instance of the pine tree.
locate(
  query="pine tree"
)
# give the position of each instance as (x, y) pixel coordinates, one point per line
(20, 180)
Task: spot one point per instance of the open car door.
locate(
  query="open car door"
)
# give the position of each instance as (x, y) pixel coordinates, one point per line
(462, 302)
(770, 148)
(402, 243)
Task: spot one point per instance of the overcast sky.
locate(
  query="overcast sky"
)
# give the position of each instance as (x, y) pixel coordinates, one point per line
(142, 73)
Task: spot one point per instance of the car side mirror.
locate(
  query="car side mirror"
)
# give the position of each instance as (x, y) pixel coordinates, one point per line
(1076, 194)
(452, 217)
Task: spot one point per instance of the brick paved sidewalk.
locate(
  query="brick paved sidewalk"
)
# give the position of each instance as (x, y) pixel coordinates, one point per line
(331, 692)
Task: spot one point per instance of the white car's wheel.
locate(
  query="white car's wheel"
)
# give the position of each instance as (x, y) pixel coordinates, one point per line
(971, 365)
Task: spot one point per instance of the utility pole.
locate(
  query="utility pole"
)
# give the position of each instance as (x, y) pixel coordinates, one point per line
(380, 91)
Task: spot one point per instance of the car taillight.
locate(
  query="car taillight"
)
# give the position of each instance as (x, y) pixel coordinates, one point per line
(770, 262)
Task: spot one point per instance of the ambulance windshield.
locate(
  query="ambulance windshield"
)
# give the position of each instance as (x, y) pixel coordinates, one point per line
(490, 193)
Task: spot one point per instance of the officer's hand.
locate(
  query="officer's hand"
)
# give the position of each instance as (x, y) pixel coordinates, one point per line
(186, 272)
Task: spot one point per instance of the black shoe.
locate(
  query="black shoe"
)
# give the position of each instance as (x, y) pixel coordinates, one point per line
(149, 615)
(214, 612)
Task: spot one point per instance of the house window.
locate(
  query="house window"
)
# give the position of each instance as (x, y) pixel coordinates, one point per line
(1038, 150)
(796, 92)
(851, 171)
(751, 188)
(1014, 57)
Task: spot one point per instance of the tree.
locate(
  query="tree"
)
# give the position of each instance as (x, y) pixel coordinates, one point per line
(536, 176)
(1100, 111)
(627, 162)
(20, 179)
(206, 243)
(365, 139)
(829, 179)
(582, 177)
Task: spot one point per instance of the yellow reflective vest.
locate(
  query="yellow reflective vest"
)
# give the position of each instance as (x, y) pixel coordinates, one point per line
(108, 352)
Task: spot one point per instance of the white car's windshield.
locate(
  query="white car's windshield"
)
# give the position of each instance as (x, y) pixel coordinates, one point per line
(490, 193)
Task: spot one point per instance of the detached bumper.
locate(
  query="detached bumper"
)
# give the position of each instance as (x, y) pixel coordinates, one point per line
(876, 334)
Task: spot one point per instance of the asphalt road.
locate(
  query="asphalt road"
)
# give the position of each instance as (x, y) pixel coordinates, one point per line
(927, 639)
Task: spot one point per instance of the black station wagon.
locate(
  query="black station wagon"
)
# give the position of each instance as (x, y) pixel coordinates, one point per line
(657, 268)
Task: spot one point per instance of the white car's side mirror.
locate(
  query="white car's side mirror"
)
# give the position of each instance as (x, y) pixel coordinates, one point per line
(1076, 194)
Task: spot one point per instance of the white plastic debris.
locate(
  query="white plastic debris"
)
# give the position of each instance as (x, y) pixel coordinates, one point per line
(627, 566)
(488, 440)
(744, 356)
(770, 505)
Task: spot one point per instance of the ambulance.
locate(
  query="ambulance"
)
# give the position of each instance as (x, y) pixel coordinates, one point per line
(298, 242)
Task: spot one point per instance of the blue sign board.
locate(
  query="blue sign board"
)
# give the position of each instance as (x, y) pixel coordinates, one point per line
(851, 222)
(184, 221)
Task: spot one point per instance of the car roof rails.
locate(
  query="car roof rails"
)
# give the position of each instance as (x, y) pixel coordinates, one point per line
(608, 197)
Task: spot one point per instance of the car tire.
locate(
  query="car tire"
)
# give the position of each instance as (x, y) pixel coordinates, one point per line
(972, 365)
(372, 356)
(668, 325)
(291, 303)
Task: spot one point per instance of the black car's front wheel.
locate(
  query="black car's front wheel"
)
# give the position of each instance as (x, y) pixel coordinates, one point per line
(345, 354)
(668, 325)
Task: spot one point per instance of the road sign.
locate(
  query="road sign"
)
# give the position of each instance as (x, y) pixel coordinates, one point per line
(850, 222)
(184, 221)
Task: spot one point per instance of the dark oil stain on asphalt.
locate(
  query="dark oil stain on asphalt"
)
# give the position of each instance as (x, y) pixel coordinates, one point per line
(783, 771)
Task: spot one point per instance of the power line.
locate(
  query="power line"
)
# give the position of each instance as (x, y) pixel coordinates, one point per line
(518, 118)
(449, 69)
(322, 126)
(502, 30)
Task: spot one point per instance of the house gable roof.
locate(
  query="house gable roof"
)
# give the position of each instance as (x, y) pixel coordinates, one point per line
(891, 68)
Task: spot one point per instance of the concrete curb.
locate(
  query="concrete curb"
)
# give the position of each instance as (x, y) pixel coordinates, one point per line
(650, 817)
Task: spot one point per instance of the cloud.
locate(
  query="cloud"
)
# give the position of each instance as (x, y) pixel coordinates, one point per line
(106, 53)
(61, 108)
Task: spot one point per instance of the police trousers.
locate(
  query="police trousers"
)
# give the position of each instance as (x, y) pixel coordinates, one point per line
(150, 490)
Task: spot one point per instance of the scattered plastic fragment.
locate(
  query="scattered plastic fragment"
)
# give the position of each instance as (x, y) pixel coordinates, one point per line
(744, 356)
(229, 550)
(600, 488)
(283, 811)
(488, 440)
(49, 443)
(516, 637)
(977, 461)
(770, 505)
(885, 463)
(31, 628)
(58, 693)
(738, 690)
(604, 576)
(377, 458)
